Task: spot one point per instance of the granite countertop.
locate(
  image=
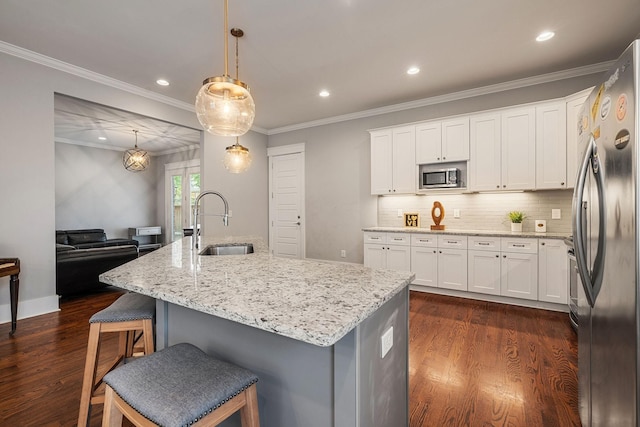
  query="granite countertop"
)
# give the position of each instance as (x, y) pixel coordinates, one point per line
(310, 301)
(505, 233)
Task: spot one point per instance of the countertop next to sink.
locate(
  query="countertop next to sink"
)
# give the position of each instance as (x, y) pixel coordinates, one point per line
(310, 301)
(505, 233)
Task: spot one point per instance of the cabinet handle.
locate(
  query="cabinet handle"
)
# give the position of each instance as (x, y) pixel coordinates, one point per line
(483, 243)
(398, 239)
(434, 252)
(394, 190)
(440, 251)
(452, 243)
(518, 246)
(504, 186)
(562, 183)
(504, 256)
(497, 256)
(542, 243)
(498, 186)
(444, 158)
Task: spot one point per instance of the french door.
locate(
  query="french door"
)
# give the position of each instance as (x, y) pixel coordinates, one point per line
(182, 181)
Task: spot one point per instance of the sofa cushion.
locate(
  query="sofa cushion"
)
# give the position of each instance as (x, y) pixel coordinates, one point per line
(77, 237)
(61, 237)
(64, 248)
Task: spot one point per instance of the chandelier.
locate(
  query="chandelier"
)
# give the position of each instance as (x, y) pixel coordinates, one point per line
(224, 105)
(237, 159)
(135, 160)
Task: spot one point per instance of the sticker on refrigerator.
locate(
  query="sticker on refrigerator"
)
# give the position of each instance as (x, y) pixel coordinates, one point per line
(622, 139)
(605, 107)
(596, 104)
(621, 107)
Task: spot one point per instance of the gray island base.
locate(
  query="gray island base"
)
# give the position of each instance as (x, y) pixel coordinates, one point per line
(311, 331)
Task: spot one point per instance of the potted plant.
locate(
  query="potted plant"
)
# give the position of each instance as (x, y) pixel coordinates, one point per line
(516, 218)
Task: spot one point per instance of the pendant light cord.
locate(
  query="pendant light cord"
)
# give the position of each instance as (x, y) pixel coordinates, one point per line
(226, 41)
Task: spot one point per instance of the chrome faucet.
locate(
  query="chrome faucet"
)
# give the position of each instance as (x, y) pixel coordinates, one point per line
(196, 206)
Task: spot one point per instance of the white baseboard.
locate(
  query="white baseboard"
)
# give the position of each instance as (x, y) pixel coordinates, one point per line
(30, 308)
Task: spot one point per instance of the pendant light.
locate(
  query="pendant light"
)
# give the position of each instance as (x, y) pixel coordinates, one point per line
(224, 105)
(135, 160)
(237, 159)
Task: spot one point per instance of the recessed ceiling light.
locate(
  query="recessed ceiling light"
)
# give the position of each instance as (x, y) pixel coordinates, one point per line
(545, 35)
(324, 93)
(102, 138)
(162, 82)
(413, 70)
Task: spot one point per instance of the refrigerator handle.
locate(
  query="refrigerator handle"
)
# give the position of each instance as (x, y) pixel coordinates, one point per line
(591, 283)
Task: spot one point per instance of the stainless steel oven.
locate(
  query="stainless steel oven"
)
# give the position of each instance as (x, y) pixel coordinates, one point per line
(573, 284)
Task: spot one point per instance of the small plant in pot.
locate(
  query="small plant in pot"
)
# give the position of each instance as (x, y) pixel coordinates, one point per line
(516, 218)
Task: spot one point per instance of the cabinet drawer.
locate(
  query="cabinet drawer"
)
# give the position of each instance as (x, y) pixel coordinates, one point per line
(519, 245)
(424, 240)
(480, 243)
(453, 242)
(148, 231)
(402, 239)
(375, 237)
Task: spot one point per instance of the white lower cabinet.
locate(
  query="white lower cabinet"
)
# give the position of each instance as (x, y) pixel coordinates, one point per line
(387, 250)
(484, 265)
(519, 268)
(516, 267)
(424, 259)
(552, 268)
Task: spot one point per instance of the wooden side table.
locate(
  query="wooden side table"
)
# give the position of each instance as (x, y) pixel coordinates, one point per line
(11, 267)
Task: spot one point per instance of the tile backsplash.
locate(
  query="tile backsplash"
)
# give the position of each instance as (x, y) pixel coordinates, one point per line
(481, 211)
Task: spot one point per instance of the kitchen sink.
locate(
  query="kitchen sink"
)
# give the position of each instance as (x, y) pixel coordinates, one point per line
(228, 249)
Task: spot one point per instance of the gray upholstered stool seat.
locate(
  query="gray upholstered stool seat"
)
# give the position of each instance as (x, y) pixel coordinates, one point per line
(180, 385)
(130, 306)
(129, 314)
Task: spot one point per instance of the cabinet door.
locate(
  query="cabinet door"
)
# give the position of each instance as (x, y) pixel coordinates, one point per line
(574, 105)
(404, 167)
(551, 146)
(518, 149)
(484, 272)
(428, 143)
(455, 140)
(519, 275)
(484, 165)
(553, 285)
(424, 263)
(398, 257)
(375, 256)
(381, 164)
(452, 269)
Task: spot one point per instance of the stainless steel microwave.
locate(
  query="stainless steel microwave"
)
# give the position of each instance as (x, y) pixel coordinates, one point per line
(441, 178)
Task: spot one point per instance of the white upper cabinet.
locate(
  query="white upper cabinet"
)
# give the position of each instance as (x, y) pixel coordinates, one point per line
(518, 149)
(485, 173)
(442, 141)
(551, 146)
(574, 105)
(393, 166)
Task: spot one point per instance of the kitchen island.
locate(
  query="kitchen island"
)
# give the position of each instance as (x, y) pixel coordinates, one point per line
(312, 331)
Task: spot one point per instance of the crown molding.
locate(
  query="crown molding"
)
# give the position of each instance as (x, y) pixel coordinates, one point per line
(56, 64)
(455, 96)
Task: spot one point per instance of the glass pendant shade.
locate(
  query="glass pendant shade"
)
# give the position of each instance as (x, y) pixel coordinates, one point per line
(135, 160)
(237, 159)
(225, 106)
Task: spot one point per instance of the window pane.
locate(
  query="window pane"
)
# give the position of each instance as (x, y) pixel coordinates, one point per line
(176, 206)
(194, 190)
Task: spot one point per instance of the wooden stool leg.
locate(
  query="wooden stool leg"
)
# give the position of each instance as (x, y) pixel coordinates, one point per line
(147, 336)
(14, 286)
(111, 415)
(249, 416)
(90, 368)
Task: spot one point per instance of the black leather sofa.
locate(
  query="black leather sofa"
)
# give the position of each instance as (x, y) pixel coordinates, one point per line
(82, 255)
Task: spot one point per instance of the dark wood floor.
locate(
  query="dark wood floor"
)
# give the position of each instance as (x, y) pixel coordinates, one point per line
(471, 364)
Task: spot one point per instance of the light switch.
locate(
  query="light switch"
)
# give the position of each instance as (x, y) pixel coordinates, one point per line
(456, 213)
(556, 214)
(399, 213)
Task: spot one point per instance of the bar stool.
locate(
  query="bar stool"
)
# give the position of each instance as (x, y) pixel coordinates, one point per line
(130, 314)
(180, 386)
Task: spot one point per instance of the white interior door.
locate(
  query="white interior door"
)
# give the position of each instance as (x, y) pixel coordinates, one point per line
(182, 187)
(286, 204)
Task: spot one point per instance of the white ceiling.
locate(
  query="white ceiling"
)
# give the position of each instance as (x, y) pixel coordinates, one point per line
(359, 50)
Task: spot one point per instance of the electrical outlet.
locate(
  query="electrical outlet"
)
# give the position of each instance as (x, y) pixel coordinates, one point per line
(343, 253)
(556, 214)
(230, 213)
(386, 342)
(456, 213)
(399, 213)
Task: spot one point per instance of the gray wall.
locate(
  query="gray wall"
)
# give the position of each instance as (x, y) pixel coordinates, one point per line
(27, 169)
(338, 199)
(93, 190)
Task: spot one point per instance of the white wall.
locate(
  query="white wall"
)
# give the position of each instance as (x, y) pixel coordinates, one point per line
(93, 190)
(338, 199)
(27, 173)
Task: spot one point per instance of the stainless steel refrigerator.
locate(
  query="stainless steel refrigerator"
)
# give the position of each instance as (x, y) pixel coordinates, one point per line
(607, 241)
